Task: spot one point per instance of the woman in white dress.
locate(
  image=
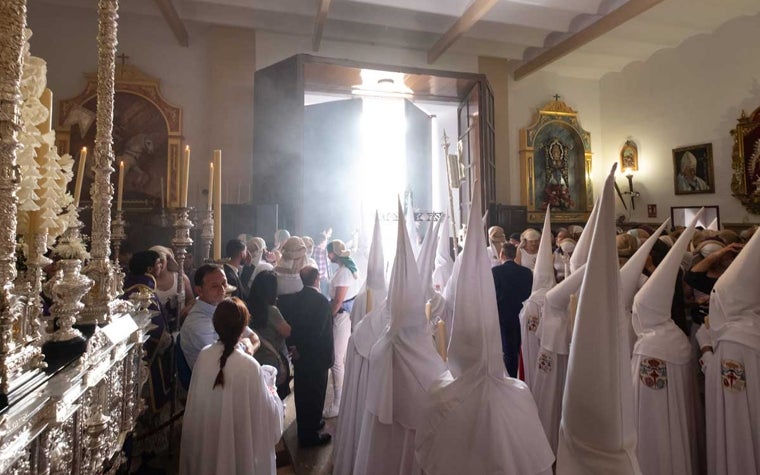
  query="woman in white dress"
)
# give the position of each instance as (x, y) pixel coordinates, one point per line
(233, 418)
(167, 290)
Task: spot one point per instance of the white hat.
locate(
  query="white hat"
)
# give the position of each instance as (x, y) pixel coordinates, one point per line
(426, 259)
(483, 407)
(567, 245)
(630, 273)
(597, 433)
(659, 337)
(375, 281)
(555, 326)
(580, 254)
(403, 363)
(443, 260)
(543, 272)
(531, 234)
(376, 261)
(735, 298)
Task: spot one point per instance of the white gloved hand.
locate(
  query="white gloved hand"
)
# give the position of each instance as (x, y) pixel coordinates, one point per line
(704, 360)
(270, 375)
(704, 337)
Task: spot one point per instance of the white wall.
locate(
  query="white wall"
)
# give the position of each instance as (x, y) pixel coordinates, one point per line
(683, 96)
(528, 95)
(212, 79)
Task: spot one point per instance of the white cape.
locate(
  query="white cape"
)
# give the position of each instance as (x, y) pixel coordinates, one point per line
(231, 429)
(530, 317)
(667, 415)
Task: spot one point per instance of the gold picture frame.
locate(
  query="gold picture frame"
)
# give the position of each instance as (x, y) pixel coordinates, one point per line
(745, 161)
(693, 170)
(629, 156)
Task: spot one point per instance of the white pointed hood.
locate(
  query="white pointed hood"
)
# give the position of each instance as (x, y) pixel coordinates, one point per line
(411, 229)
(375, 282)
(554, 327)
(443, 261)
(659, 337)
(426, 259)
(482, 407)
(580, 253)
(543, 273)
(475, 338)
(597, 434)
(735, 300)
(713, 226)
(630, 273)
(404, 362)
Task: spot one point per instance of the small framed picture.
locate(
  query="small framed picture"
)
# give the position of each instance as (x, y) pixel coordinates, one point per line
(693, 169)
(629, 157)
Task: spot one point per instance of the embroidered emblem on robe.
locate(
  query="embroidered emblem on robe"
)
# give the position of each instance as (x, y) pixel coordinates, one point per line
(532, 323)
(732, 375)
(545, 362)
(653, 373)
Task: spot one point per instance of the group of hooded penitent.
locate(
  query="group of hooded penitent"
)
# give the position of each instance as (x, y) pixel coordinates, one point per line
(611, 380)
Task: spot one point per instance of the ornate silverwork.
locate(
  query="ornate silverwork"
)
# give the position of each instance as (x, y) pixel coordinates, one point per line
(99, 269)
(67, 292)
(181, 242)
(207, 234)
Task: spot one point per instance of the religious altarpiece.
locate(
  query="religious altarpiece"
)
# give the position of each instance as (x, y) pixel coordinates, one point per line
(745, 183)
(555, 165)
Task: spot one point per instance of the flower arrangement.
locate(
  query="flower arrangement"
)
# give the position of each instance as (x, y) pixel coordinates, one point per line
(558, 197)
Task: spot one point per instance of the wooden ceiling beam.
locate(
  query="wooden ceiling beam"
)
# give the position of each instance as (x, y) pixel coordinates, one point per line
(174, 21)
(319, 24)
(474, 12)
(627, 11)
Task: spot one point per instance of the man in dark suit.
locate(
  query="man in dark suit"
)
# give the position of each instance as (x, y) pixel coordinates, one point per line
(237, 254)
(311, 341)
(513, 283)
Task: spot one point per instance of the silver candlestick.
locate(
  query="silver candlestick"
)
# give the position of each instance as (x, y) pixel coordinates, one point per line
(207, 234)
(181, 241)
(118, 225)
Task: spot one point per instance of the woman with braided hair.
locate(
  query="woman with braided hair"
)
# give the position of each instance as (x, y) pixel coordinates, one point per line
(233, 417)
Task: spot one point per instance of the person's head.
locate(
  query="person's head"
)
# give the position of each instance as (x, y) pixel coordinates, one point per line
(310, 276)
(626, 245)
(508, 251)
(496, 237)
(567, 246)
(309, 245)
(256, 246)
(230, 318)
(293, 255)
(168, 263)
(263, 295)
(514, 239)
(689, 165)
(337, 249)
(235, 251)
(145, 262)
(562, 233)
(210, 283)
(280, 236)
(532, 240)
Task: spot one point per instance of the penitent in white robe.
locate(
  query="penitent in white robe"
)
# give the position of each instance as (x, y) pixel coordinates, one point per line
(530, 317)
(666, 411)
(349, 424)
(231, 429)
(732, 403)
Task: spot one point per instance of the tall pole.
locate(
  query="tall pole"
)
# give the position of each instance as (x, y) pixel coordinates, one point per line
(97, 309)
(453, 220)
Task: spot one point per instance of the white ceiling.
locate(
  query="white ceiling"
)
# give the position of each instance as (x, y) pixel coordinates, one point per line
(514, 29)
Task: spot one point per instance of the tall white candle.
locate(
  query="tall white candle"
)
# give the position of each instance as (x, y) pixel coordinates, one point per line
(120, 193)
(185, 178)
(80, 176)
(217, 205)
(210, 185)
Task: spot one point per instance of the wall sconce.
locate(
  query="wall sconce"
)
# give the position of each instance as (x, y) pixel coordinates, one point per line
(633, 194)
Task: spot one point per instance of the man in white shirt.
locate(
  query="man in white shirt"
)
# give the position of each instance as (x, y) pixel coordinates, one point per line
(197, 331)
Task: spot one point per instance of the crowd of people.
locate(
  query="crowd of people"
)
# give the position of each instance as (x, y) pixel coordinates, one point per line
(270, 319)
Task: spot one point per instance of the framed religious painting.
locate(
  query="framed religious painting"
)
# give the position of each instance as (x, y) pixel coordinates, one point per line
(555, 165)
(629, 157)
(745, 161)
(147, 136)
(693, 170)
